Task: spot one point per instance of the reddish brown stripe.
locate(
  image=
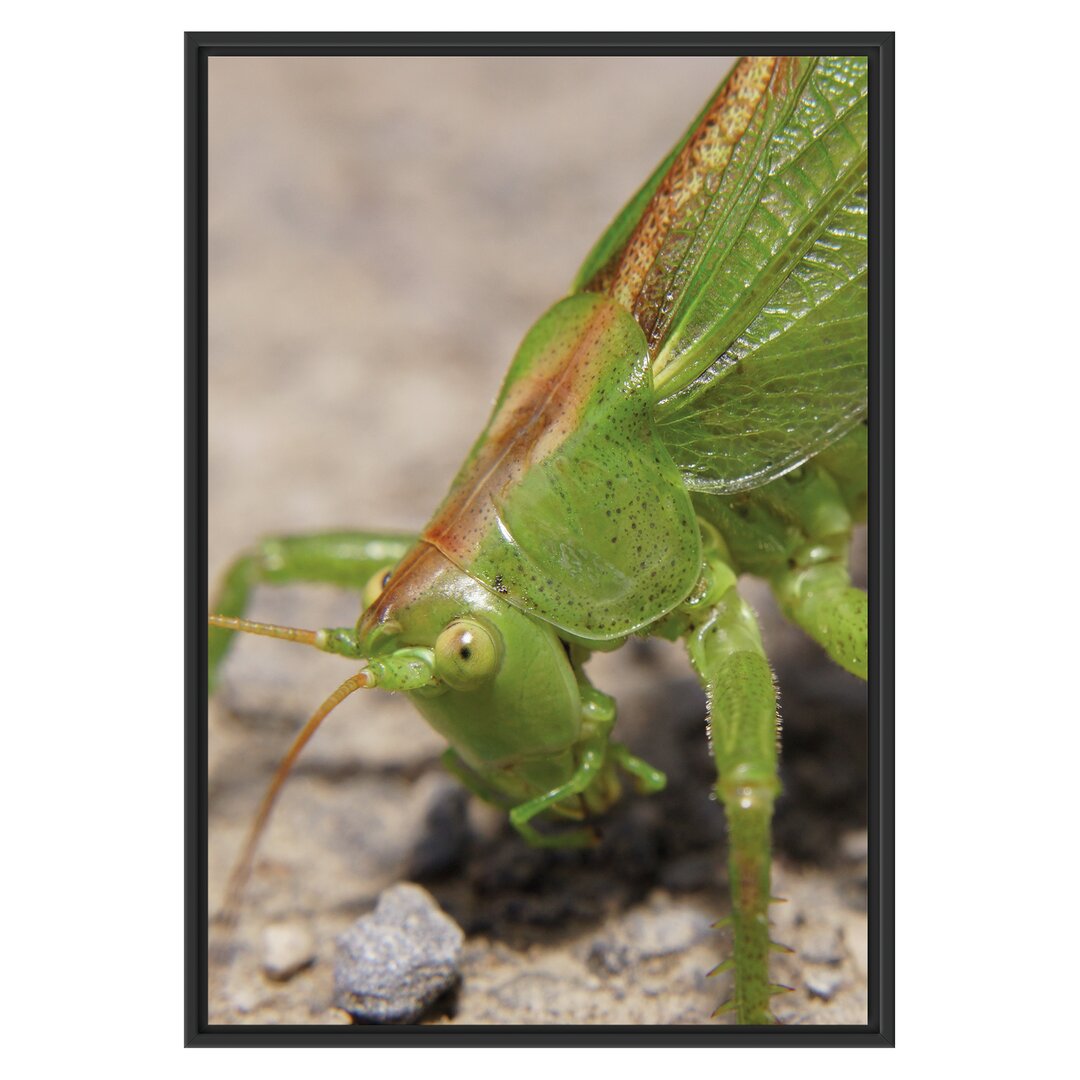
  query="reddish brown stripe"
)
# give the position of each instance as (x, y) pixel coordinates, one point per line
(705, 154)
(539, 412)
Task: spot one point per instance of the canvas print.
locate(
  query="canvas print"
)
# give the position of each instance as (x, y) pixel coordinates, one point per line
(537, 484)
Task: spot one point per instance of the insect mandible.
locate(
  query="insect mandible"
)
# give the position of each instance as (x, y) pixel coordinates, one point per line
(691, 411)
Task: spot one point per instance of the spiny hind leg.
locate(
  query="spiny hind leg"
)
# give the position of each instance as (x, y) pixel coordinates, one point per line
(726, 651)
(346, 559)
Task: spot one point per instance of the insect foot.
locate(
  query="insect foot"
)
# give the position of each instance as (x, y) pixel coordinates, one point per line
(393, 963)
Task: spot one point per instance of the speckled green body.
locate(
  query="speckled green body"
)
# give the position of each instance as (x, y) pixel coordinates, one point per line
(691, 412)
(569, 504)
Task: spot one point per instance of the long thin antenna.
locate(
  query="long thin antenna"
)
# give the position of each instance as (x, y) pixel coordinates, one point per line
(286, 633)
(242, 868)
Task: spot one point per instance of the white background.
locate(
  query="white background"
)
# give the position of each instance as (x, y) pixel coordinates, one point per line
(92, 448)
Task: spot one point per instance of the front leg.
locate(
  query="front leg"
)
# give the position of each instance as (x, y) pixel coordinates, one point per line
(591, 754)
(593, 778)
(347, 559)
(726, 651)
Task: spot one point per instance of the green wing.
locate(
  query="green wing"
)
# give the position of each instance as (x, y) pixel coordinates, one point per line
(743, 260)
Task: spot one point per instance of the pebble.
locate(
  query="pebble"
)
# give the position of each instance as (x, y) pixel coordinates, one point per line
(664, 932)
(645, 935)
(392, 964)
(823, 983)
(287, 948)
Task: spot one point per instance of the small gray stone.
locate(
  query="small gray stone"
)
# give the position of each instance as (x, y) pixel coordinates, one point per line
(661, 929)
(823, 983)
(287, 949)
(392, 964)
(662, 932)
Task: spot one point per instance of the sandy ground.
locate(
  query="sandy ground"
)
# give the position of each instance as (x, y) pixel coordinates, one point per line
(382, 234)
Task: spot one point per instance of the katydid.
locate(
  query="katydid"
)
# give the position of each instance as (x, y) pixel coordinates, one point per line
(692, 411)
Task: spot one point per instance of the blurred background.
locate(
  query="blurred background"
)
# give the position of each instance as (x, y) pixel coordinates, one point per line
(383, 231)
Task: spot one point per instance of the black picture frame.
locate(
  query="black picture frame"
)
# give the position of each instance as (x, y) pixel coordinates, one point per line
(879, 47)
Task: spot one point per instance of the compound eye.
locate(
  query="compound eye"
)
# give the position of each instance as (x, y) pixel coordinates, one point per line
(376, 583)
(467, 654)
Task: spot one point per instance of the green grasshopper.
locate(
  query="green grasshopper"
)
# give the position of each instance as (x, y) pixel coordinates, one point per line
(692, 411)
